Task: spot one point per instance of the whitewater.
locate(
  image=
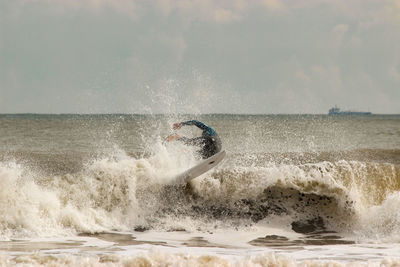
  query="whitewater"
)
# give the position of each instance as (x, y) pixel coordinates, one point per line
(293, 190)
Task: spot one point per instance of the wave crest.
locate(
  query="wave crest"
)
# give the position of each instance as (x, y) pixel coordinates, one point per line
(121, 193)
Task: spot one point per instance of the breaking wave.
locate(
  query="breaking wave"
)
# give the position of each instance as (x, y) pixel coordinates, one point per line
(121, 192)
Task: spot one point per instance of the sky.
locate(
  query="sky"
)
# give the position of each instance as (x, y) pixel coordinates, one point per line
(199, 56)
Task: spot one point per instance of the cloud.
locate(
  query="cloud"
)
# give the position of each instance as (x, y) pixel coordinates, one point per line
(132, 8)
(339, 32)
(368, 12)
(223, 11)
(392, 11)
(301, 75)
(273, 4)
(225, 16)
(340, 29)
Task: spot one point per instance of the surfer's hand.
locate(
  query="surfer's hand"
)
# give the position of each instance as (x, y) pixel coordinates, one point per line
(177, 125)
(172, 137)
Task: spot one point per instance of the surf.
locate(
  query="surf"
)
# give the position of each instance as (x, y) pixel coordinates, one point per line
(121, 192)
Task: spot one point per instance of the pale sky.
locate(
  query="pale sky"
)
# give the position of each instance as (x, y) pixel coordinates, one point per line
(199, 56)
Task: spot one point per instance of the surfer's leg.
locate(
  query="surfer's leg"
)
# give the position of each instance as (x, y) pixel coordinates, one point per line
(210, 147)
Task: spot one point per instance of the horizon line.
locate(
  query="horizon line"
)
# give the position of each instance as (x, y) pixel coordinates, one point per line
(180, 114)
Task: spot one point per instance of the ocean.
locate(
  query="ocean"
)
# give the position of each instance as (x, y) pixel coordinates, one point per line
(93, 190)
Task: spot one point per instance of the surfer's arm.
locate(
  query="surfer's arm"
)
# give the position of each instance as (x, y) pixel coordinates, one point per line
(207, 129)
(196, 123)
(172, 137)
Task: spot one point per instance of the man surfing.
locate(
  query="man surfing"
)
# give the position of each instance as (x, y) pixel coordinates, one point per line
(209, 141)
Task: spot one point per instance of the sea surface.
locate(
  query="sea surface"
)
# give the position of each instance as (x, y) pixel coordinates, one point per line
(308, 190)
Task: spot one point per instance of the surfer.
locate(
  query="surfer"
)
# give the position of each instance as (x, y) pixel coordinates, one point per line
(208, 141)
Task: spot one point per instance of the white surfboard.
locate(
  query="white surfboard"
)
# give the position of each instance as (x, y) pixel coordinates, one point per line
(200, 168)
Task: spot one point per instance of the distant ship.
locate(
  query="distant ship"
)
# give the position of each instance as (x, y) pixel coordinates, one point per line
(336, 111)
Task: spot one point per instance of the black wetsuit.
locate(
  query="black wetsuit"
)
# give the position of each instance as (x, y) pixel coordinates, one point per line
(208, 141)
